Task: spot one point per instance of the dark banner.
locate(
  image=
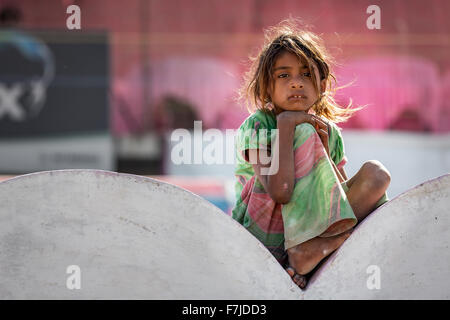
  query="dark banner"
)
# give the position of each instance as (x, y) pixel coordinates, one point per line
(53, 83)
(54, 101)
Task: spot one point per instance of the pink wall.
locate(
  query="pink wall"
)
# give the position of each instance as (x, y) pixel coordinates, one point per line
(388, 85)
(199, 48)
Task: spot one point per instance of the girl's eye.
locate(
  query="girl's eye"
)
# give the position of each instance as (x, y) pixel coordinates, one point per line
(307, 74)
(283, 75)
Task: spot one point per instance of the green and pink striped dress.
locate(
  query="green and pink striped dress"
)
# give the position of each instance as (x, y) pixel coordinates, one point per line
(318, 200)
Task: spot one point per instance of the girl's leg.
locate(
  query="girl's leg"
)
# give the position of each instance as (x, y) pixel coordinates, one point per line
(305, 256)
(366, 187)
(317, 200)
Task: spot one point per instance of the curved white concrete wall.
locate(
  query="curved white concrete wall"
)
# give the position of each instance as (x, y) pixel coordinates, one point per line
(132, 238)
(138, 238)
(401, 251)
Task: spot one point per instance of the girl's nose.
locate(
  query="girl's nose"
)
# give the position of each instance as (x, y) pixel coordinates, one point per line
(296, 83)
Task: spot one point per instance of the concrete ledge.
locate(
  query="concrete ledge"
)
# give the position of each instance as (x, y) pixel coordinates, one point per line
(132, 238)
(403, 245)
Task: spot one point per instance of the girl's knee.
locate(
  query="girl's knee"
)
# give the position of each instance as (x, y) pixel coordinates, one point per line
(376, 174)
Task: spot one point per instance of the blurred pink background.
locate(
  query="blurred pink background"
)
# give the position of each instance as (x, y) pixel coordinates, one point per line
(195, 53)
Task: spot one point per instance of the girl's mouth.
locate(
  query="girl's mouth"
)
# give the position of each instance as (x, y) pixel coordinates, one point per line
(296, 98)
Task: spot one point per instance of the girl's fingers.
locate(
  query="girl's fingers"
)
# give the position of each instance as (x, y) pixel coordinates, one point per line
(322, 124)
(316, 120)
(324, 138)
(320, 121)
(323, 134)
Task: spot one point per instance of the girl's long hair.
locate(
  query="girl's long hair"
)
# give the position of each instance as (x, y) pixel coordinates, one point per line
(287, 36)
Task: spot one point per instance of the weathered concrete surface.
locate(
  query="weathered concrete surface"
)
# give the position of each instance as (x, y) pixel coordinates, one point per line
(138, 238)
(132, 237)
(408, 239)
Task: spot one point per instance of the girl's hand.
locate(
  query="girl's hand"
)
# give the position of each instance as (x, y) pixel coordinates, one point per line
(323, 129)
(297, 117)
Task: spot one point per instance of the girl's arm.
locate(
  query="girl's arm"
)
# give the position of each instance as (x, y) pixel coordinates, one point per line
(280, 185)
(338, 172)
(344, 175)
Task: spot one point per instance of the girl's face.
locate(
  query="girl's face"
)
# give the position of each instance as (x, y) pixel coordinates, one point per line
(293, 89)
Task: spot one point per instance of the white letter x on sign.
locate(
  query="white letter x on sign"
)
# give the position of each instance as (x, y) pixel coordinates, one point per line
(9, 102)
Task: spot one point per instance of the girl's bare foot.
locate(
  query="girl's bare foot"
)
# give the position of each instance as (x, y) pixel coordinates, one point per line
(305, 256)
(297, 278)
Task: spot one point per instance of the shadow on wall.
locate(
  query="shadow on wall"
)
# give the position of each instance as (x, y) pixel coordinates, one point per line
(409, 120)
(173, 113)
(208, 85)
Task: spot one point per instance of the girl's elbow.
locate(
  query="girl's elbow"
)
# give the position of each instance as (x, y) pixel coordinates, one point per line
(282, 196)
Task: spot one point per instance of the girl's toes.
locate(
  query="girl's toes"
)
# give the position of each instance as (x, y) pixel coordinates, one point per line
(303, 283)
(300, 280)
(297, 278)
(290, 271)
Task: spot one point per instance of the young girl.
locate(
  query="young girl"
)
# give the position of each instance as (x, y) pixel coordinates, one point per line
(292, 190)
